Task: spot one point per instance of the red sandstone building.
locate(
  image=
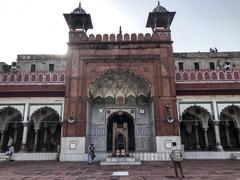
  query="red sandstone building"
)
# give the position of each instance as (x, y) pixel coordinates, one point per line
(128, 94)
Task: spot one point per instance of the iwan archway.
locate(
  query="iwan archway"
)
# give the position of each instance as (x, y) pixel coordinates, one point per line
(120, 133)
(121, 97)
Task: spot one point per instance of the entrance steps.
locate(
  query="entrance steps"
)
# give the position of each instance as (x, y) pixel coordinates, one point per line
(3, 157)
(120, 161)
(236, 155)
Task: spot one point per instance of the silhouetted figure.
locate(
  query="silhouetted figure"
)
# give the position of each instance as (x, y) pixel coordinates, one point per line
(91, 153)
(58, 153)
(120, 30)
(211, 50)
(215, 50)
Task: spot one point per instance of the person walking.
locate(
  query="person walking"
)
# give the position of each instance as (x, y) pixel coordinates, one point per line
(176, 157)
(91, 153)
(10, 151)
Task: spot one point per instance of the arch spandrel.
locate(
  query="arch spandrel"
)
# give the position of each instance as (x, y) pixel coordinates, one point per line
(8, 115)
(119, 83)
(185, 105)
(129, 112)
(56, 107)
(222, 106)
(231, 112)
(199, 114)
(18, 107)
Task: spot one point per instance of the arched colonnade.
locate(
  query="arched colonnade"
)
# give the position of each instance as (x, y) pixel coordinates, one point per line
(41, 133)
(200, 130)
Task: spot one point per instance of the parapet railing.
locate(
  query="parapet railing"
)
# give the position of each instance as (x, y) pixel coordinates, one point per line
(60, 77)
(33, 78)
(207, 75)
(160, 36)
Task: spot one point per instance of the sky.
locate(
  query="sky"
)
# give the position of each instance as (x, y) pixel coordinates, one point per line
(38, 26)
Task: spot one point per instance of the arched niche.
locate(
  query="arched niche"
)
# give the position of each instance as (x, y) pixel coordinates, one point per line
(230, 127)
(10, 125)
(119, 86)
(121, 117)
(44, 130)
(197, 129)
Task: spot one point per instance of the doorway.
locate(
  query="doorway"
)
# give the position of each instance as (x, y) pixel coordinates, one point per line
(120, 118)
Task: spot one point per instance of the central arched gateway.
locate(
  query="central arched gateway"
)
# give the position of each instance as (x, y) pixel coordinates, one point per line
(120, 141)
(120, 96)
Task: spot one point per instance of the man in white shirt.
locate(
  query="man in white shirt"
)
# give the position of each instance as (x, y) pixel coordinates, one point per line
(176, 157)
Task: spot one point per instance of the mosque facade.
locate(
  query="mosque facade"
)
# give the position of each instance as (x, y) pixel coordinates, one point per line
(128, 94)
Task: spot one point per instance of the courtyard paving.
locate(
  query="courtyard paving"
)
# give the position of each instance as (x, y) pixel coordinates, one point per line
(44, 170)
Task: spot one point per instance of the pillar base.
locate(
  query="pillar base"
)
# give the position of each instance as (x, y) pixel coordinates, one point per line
(198, 146)
(219, 148)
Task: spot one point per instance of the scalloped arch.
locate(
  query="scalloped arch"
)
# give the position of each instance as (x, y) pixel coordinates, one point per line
(119, 82)
(5, 122)
(46, 107)
(235, 120)
(192, 107)
(231, 106)
(203, 117)
(9, 107)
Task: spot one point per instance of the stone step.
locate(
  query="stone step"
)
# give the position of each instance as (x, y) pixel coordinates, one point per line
(120, 161)
(151, 156)
(3, 157)
(236, 156)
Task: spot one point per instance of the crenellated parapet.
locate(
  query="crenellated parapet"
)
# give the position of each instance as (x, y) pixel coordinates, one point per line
(78, 37)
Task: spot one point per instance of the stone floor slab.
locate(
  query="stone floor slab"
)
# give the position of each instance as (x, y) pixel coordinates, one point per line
(51, 170)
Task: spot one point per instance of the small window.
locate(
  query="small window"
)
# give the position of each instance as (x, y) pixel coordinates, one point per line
(33, 68)
(196, 66)
(212, 66)
(51, 67)
(180, 66)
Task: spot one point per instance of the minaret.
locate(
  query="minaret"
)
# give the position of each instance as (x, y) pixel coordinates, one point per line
(160, 19)
(79, 20)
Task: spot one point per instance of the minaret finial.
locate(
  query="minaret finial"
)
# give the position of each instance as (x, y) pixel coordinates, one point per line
(158, 3)
(79, 4)
(120, 30)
